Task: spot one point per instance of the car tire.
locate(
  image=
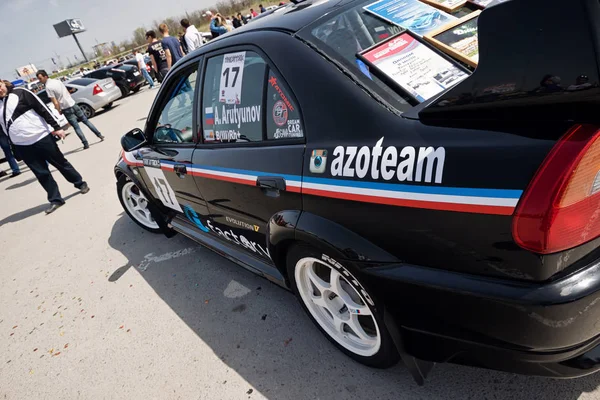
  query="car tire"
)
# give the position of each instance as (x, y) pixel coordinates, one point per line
(124, 91)
(346, 305)
(108, 106)
(88, 111)
(133, 202)
(137, 89)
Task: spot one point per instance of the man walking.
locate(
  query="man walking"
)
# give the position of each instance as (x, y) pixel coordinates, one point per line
(31, 128)
(139, 57)
(171, 43)
(64, 104)
(193, 39)
(158, 54)
(12, 162)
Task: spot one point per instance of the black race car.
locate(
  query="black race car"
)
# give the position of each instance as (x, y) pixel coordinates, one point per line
(457, 226)
(127, 77)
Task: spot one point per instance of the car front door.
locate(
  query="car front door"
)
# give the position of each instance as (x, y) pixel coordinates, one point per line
(249, 164)
(170, 131)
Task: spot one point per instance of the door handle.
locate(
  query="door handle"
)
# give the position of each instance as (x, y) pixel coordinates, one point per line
(271, 182)
(180, 170)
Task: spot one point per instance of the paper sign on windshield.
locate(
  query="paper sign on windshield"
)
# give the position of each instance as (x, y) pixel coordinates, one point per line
(232, 74)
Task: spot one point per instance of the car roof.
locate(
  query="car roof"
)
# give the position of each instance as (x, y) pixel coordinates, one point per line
(291, 17)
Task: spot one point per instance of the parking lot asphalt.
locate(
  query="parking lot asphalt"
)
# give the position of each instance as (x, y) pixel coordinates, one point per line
(94, 307)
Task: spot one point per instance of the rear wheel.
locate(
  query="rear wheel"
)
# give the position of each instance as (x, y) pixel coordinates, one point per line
(88, 111)
(137, 89)
(135, 204)
(108, 106)
(340, 306)
(124, 91)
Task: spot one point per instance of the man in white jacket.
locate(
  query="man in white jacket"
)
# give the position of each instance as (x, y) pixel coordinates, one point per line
(193, 38)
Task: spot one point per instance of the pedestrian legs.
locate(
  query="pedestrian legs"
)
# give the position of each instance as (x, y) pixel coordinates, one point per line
(38, 155)
(69, 113)
(12, 162)
(148, 77)
(82, 118)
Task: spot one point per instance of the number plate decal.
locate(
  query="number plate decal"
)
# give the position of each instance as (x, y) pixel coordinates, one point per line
(232, 75)
(163, 190)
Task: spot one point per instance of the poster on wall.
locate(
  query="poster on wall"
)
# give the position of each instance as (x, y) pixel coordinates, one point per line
(417, 17)
(459, 39)
(413, 66)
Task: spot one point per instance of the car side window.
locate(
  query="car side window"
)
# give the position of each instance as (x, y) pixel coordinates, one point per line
(232, 98)
(71, 89)
(283, 115)
(175, 121)
(44, 97)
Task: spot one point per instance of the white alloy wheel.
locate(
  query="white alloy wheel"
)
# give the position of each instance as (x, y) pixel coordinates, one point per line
(337, 306)
(137, 205)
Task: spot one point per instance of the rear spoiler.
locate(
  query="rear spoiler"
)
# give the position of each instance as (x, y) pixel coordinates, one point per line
(538, 60)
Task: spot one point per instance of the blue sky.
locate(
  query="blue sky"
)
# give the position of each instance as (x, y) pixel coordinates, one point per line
(29, 34)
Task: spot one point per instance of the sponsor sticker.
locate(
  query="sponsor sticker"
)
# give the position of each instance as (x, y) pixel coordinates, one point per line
(408, 164)
(280, 113)
(225, 233)
(292, 130)
(318, 161)
(242, 224)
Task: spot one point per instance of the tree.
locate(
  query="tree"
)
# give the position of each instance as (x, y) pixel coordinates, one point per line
(139, 36)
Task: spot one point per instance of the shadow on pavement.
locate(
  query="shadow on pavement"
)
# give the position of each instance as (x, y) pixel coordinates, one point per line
(21, 184)
(259, 330)
(21, 215)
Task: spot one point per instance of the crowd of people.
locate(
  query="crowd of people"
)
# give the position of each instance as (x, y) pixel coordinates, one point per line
(29, 131)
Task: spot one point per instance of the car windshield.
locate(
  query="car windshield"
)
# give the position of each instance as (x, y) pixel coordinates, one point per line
(82, 81)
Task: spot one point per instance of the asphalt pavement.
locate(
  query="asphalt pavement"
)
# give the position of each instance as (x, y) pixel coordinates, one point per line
(94, 307)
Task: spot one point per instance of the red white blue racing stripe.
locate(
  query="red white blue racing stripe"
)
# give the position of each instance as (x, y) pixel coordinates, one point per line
(471, 200)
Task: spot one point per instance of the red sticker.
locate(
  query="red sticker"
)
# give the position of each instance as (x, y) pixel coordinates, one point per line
(280, 113)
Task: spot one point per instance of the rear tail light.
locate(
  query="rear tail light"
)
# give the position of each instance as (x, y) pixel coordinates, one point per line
(561, 207)
(97, 89)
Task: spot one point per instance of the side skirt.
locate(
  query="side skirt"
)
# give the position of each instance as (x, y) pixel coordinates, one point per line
(239, 257)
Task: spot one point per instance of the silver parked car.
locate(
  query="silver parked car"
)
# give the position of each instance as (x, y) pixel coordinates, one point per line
(93, 94)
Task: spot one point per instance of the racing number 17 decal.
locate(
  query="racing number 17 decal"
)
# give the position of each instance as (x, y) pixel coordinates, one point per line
(163, 190)
(232, 76)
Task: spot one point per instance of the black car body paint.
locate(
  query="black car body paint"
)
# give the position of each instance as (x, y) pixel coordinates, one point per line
(419, 200)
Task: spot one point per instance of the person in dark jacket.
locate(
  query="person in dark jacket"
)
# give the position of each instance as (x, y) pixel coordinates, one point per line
(33, 131)
(236, 22)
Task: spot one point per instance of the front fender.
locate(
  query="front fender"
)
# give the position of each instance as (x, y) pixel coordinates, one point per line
(160, 214)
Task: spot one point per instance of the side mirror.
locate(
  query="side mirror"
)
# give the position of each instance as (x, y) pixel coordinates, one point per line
(133, 139)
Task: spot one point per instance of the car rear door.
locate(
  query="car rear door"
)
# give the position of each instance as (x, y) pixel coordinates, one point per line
(249, 163)
(170, 131)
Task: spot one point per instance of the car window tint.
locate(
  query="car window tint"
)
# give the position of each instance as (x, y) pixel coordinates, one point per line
(43, 96)
(71, 89)
(282, 113)
(83, 81)
(351, 32)
(175, 122)
(233, 98)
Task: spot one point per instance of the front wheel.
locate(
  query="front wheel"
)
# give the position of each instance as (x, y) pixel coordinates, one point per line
(340, 306)
(108, 106)
(135, 204)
